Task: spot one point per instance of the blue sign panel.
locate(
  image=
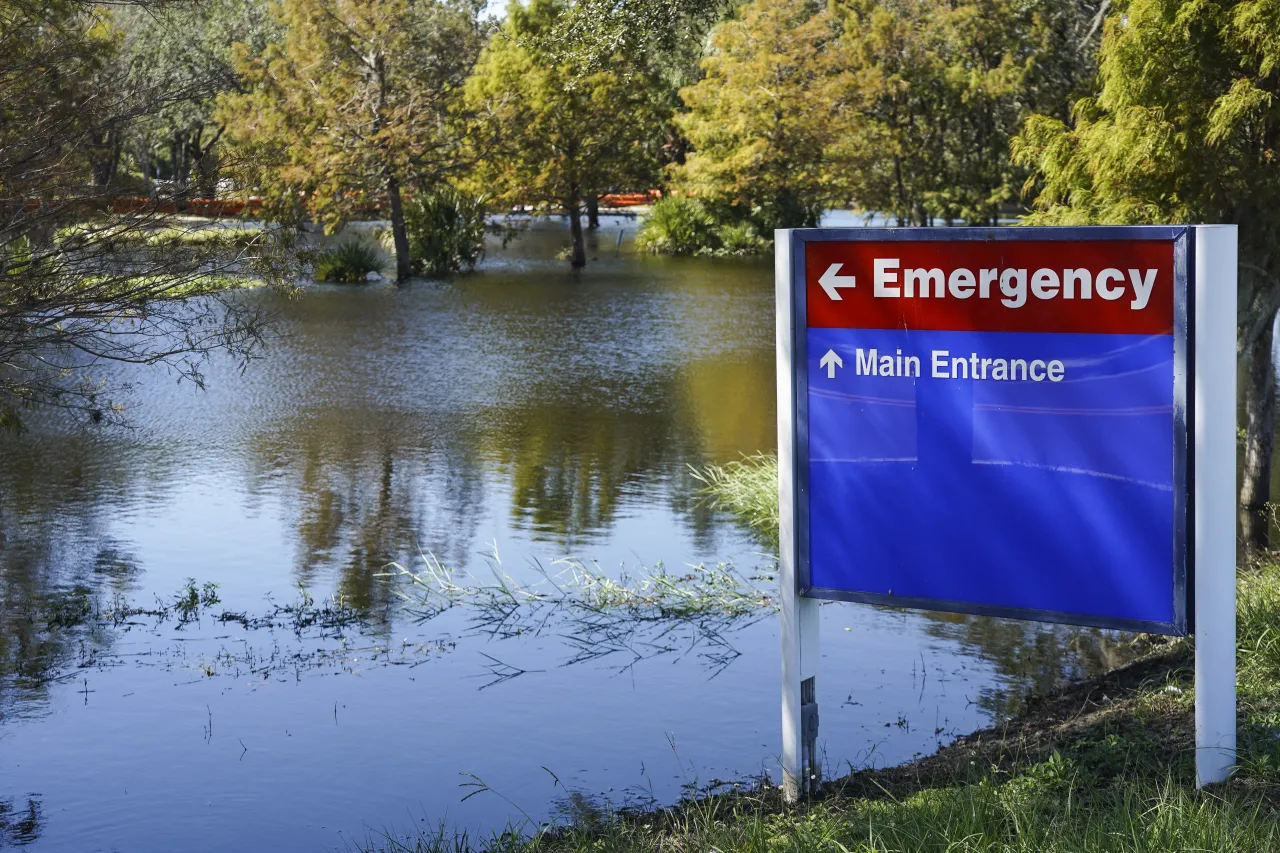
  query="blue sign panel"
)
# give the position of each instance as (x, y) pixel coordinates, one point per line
(994, 421)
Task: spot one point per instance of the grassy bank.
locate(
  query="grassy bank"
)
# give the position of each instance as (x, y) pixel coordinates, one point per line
(1107, 765)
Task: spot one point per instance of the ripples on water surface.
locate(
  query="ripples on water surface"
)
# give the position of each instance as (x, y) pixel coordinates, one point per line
(524, 407)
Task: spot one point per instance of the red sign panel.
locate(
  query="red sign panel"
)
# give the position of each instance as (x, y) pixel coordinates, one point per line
(1108, 287)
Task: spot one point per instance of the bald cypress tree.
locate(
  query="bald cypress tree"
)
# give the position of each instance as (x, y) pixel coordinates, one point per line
(564, 128)
(356, 100)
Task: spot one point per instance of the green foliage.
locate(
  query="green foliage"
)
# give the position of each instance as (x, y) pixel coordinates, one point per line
(1185, 128)
(760, 120)
(446, 231)
(349, 262)
(558, 131)
(935, 91)
(185, 54)
(741, 238)
(687, 226)
(903, 108)
(598, 29)
(677, 226)
(355, 100)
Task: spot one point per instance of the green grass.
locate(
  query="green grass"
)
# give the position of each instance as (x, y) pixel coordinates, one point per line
(181, 286)
(650, 594)
(228, 236)
(166, 232)
(1106, 765)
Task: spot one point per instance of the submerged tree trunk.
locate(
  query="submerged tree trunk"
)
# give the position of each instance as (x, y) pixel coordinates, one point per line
(1260, 415)
(578, 258)
(400, 236)
(593, 211)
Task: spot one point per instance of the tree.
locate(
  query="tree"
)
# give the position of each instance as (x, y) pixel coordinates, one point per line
(563, 131)
(74, 294)
(902, 107)
(764, 116)
(185, 50)
(1184, 129)
(357, 99)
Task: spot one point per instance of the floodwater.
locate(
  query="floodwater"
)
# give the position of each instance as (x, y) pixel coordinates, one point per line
(524, 408)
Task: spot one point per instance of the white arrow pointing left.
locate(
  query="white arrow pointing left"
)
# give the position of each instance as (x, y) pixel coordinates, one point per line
(831, 361)
(832, 281)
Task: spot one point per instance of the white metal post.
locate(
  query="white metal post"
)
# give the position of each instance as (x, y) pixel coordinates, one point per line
(1214, 501)
(799, 624)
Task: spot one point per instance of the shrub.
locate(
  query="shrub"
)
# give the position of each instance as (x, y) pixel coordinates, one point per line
(446, 230)
(678, 226)
(740, 238)
(687, 226)
(347, 263)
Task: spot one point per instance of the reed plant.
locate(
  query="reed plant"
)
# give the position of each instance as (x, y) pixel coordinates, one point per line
(748, 489)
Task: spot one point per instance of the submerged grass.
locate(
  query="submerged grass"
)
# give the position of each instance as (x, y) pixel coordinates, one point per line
(631, 617)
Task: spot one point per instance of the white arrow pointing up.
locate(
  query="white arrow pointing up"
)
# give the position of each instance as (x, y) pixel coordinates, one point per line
(831, 361)
(831, 281)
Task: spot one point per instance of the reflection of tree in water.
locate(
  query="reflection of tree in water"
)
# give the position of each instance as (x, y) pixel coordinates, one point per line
(20, 824)
(572, 466)
(357, 483)
(1032, 657)
(575, 455)
(56, 560)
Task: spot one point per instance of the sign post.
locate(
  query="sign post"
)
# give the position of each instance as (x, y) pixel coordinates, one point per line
(1033, 423)
(1214, 501)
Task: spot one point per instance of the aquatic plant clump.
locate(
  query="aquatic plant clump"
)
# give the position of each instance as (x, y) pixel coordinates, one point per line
(677, 226)
(688, 226)
(636, 617)
(350, 262)
(446, 231)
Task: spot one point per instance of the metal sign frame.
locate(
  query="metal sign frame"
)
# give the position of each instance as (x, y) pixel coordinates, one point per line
(1182, 567)
(1205, 259)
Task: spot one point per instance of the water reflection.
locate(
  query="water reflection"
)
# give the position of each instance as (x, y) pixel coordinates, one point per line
(1033, 658)
(20, 823)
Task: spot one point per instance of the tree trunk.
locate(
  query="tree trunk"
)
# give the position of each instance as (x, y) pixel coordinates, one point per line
(578, 259)
(593, 211)
(143, 155)
(404, 268)
(1260, 415)
(104, 158)
(181, 170)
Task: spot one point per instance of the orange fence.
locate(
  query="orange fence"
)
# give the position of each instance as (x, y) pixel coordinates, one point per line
(252, 205)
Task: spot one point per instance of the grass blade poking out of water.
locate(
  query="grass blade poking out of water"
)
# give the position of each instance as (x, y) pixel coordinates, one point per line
(748, 489)
(633, 616)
